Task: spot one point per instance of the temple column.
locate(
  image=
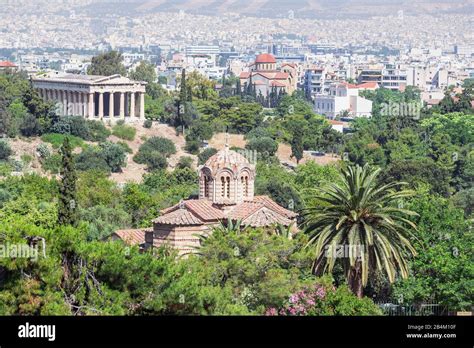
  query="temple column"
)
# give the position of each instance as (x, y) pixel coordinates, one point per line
(111, 104)
(127, 104)
(74, 99)
(132, 104)
(101, 105)
(142, 106)
(122, 105)
(64, 101)
(80, 102)
(91, 108)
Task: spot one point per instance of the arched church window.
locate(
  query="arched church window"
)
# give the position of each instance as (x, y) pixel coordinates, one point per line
(245, 185)
(228, 187)
(206, 186)
(223, 189)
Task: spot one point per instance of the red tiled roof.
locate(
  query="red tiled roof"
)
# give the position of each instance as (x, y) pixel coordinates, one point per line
(132, 236)
(244, 75)
(199, 211)
(265, 58)
(7, 64)
(266, 217)
(278, 84)
(201, 208)
(269, 203)
(248, 208)
(180, 217)
(244, 210)
(348, 85)
(368, 85)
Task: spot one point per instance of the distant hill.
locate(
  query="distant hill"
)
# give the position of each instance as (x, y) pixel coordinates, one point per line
(299, 8)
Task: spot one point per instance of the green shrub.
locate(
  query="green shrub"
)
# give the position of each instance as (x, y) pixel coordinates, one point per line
(185, 162)
(92, 159)
(265, 146)
(114, 155)
(43, 150)
(258, 132)
(5, 169)
(90, 130)
(206, 154)
(125, 146)
(52, 163)
(26, 159)
(97, 131)
(5, 151)
(148, 123)
(56, 140)
(192, 146)
(30, 126)
(72, 125)
(156, 161)
(162, 146)
(124, 132)
(107, 157)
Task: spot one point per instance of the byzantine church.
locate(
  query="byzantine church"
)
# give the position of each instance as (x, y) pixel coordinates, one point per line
(226, 193)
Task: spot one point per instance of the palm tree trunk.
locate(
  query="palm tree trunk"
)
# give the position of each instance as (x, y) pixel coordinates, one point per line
(355, 280)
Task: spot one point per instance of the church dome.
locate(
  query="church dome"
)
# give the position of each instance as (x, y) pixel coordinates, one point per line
(265, 58)
(227, 178)
(226, 158)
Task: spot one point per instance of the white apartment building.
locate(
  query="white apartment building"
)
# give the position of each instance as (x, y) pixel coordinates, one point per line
(318, 81)
(394, 76)
(343, 98)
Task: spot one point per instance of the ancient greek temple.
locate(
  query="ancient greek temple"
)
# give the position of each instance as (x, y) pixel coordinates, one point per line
(108, 98)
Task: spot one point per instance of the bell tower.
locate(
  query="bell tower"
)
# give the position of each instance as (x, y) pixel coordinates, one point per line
(227, 178)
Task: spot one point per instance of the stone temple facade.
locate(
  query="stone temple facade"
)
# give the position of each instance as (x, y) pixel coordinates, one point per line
(226, 191)
(107, 98)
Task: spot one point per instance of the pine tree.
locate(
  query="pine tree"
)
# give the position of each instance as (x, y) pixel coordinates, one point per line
(67, 210)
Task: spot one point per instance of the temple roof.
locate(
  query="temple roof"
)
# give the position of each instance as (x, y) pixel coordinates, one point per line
(87, 79)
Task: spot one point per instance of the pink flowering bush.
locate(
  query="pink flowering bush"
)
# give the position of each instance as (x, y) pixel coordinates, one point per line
(325, 299)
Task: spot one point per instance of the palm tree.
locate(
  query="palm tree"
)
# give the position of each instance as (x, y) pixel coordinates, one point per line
(363, 218)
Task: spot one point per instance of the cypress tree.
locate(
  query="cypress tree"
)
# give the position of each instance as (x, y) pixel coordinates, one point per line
(67, 210)
(297, 146)
(238, 88)
(183, 91)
